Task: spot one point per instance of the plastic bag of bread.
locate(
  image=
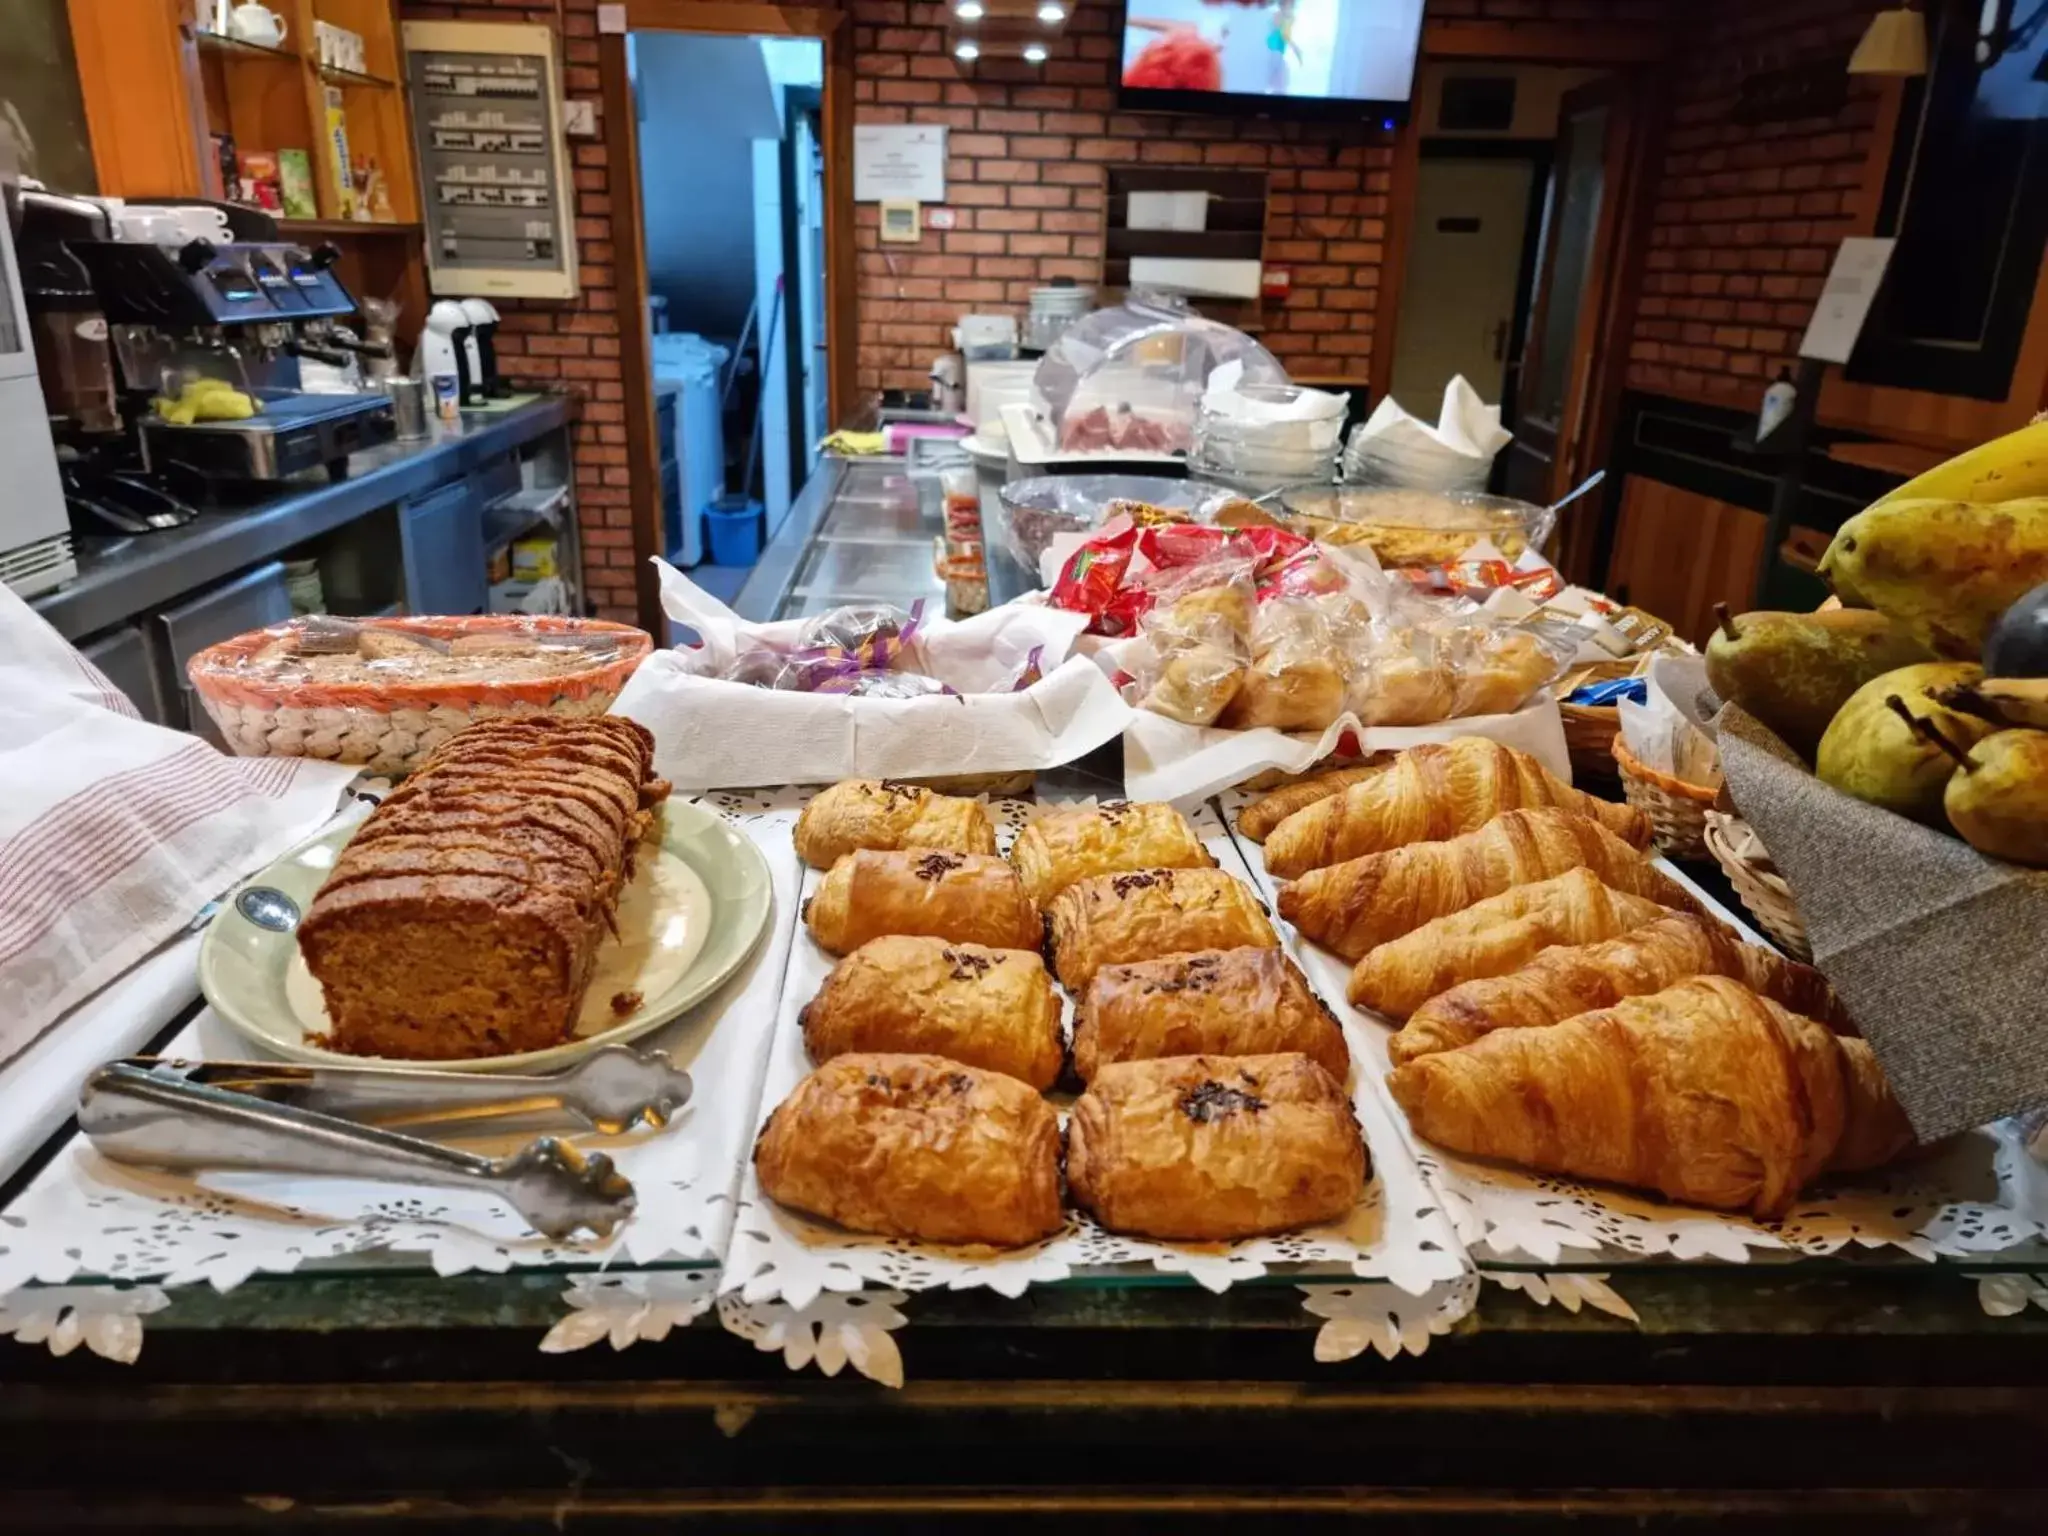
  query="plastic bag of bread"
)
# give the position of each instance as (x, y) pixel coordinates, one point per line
(1195, 643)
(1297, 677)
(1456, 666)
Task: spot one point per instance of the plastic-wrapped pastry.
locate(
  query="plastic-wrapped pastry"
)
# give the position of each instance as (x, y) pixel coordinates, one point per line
(967, 897)
(881, 813)
(1114, 919)
(853, 626)
(1062, 847)
(1200, 643)
(1295, 682)
(916, 1146)
(1214, 1148)
(1218, 1002)
(990, 1008)
(1508, 666)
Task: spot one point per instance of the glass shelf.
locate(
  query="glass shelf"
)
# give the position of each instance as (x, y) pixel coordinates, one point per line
(234, 47)
(339, 76)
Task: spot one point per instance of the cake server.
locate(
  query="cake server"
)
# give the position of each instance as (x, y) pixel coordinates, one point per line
(611, 1090)
(134, 1115)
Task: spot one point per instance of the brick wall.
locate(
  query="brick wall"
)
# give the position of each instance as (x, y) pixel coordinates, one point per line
(576, 342)
(1747, 218)
(1027, 153)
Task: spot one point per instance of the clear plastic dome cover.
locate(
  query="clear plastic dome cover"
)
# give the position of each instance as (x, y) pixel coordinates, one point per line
(1130, 378)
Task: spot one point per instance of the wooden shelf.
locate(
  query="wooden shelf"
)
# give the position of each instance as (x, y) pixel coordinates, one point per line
(347, 227)
(337, 76)
(234, 48)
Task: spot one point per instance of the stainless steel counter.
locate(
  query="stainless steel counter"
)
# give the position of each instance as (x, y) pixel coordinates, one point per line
(861, 531)
(124, 576)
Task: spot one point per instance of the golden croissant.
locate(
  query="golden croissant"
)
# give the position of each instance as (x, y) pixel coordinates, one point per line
(1257, 820)
(1431, 793)
(1704, 1092)
(1361, 904)
(879, 813)
(1493, 937)
(1564, 982)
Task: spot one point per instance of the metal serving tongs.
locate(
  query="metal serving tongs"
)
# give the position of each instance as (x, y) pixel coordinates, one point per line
(275, 1118)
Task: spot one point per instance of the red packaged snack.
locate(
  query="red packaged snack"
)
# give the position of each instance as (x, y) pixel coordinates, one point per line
(1093, 573)
(1171, 546)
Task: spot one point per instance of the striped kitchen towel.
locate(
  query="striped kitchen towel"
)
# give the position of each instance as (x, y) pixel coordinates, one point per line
(115, 832)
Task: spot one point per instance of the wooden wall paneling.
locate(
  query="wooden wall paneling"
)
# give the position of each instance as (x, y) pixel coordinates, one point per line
(1643, 105)
(139, 76)
(842, 266)
(1677, 553)
(1406, 173)
(629, 241)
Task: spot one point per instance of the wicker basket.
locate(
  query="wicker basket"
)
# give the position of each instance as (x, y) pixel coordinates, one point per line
(1762, 889)
(1590, 731)
(1677, 810)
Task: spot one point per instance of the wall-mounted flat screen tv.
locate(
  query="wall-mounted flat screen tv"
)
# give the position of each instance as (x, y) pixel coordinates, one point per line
(1320, 59)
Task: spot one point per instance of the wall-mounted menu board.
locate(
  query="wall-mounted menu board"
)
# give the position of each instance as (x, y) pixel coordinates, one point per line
(494, 167)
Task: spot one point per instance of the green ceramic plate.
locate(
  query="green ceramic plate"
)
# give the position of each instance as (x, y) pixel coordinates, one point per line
(689, 920)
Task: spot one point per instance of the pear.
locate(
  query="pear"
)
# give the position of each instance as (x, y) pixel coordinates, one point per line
(1870, 752)
(1795, 671)
(1945, 569)
(1998, 795)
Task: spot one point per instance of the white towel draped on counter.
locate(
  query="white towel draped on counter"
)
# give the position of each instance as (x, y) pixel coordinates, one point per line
(115, 832)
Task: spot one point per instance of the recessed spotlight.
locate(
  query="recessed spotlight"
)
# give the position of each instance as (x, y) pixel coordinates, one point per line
(969, 10)
(1052, 15)
(1034, 53)
(967, 51)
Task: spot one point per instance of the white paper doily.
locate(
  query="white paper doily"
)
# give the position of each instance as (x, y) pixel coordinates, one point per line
(1384, 1318)
(829, 1331)
(624, 1309)
(106, 1319)
(85, 1217)
(1397, 1233)
(1982, 1194)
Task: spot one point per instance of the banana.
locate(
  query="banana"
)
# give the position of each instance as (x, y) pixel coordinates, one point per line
(2004, 469)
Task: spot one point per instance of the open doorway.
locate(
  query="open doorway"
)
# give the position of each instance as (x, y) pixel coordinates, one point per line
(732, 213)
(1484, 184)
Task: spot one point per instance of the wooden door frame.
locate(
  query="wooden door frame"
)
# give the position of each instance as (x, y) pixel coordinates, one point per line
(629, 234)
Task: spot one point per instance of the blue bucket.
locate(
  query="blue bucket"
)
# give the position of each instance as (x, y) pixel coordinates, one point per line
(732, 531)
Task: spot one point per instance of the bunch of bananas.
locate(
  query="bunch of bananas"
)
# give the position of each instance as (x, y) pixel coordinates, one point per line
(206, 400)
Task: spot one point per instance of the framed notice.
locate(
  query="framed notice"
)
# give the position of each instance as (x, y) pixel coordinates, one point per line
(494, 165)
(899, 163)
(1845, 302)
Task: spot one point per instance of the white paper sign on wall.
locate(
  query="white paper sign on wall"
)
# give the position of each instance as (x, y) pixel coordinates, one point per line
(1845, 301)
(899, 162)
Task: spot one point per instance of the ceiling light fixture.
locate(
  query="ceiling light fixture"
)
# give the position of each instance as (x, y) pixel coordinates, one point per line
(1034, 53)
(969, 10)
(967, 51)
(1052, 15)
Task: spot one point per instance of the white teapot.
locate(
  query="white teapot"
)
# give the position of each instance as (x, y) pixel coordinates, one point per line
(258, 24)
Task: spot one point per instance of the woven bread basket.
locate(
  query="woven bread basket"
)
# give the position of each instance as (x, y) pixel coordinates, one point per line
(1677, 810)
(1762, 889)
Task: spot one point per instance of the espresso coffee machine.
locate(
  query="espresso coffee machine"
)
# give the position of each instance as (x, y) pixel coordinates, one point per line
(244, 311)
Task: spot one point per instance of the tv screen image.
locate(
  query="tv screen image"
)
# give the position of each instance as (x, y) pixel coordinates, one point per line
(1277, 56)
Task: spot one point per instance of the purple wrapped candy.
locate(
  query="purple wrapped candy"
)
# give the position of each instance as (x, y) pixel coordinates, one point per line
(884, 685)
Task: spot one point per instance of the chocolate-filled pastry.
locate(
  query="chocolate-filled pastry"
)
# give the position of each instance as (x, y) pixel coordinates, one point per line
(1147, 913)
(1062, 847)
(970, 898)
(990, 1008)
(1220, 1002)
(916, 1146)
(1213, 1148)
(879, 813)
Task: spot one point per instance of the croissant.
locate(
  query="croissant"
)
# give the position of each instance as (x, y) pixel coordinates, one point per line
(1703, 1092)
(1561, 983)
(1257, 820)
(1063, 847)
(1359, 905)
(1493, 937)
(969, 898)
(878, 813)
(1431, 793)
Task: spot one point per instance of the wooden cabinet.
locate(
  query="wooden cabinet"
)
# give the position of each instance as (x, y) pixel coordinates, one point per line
(160, 86)
(1677, 553)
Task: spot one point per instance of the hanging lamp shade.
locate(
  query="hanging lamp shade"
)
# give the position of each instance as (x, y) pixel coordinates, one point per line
(1895, 44)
